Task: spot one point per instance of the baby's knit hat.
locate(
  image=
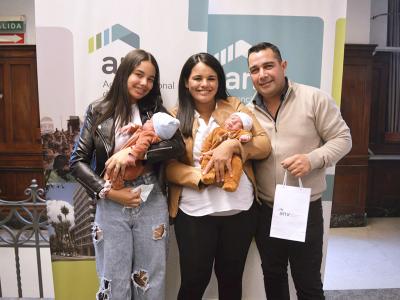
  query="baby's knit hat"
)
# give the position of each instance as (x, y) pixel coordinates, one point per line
(246, 120)
(165, 125)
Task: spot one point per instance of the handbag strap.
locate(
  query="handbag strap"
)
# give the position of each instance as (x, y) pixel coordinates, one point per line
(285, 180)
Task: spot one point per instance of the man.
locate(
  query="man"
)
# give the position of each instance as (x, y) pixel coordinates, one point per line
(307, 135)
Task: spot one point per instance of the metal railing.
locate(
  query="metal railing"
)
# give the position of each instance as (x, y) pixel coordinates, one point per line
(21, 226)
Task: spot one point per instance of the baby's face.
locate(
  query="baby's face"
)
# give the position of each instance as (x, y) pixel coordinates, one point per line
(233, 123)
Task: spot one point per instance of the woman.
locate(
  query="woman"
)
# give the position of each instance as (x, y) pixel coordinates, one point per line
(130, 236)
(211, 225)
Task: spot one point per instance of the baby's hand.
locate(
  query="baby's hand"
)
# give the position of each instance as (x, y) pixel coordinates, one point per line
(130, 128)
(245, 138)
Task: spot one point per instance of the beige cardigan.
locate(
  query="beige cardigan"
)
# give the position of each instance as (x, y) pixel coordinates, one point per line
(309, 122)
(183, 173)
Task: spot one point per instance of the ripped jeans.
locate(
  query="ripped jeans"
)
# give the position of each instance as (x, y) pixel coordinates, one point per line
(131, 246)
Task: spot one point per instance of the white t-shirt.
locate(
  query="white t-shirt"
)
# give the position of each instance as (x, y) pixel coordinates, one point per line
(214, 200)
(122, 138)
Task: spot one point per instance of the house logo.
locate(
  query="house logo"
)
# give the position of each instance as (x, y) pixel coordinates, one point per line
(299, 38)
(233, 57)
(233, 51)
(112, 34)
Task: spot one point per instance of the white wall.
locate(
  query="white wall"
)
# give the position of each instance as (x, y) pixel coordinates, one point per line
(360, 28)
(358, 21)
(378, 32)
(21, 7)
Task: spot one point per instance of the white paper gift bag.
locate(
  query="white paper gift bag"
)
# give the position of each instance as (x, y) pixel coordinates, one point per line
(290, 212)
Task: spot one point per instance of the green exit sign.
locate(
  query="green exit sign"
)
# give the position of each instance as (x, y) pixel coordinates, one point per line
(12, 26)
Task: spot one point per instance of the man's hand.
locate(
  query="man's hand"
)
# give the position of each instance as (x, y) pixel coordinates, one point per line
(298, 165)
(126, 196)
(221, 158)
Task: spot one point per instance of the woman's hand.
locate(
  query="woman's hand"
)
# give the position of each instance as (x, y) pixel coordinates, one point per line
(221, 158)
(117, 163)
(126, 196)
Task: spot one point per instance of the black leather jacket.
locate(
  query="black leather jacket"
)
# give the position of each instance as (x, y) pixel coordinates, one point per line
(88, 159)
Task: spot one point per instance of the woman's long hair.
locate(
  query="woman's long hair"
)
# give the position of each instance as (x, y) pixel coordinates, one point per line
(186, 106)
(117, 104)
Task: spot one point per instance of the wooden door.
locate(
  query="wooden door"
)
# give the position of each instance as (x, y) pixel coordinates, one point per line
(21, 157)
(351, 175)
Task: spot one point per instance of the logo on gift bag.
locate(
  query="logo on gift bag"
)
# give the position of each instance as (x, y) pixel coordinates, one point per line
(283, 213)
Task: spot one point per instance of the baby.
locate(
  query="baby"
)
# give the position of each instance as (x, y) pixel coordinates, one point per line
(237, 126)
(161, 126)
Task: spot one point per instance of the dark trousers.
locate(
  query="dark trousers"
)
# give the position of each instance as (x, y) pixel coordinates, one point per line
(304, 258)
(222, 240)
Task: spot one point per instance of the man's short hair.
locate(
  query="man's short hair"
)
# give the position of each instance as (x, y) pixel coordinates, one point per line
(263, 46)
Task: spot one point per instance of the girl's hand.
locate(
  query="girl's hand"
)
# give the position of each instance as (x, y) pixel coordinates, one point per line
(116, 164)
(221, 158)
(126, 196)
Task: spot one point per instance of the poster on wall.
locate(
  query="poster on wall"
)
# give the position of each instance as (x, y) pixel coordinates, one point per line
(80, 47)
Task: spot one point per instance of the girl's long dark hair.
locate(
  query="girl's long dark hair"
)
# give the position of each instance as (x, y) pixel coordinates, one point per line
(186, 105)
(116, 104)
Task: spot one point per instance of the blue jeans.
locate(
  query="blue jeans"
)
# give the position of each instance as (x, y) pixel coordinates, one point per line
(131, 246)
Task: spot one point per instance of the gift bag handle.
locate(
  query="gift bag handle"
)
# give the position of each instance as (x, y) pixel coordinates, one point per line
(285, 179)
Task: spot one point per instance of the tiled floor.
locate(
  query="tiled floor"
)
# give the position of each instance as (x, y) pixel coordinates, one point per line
(364, 258)
(380, 294)
(361, 264)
